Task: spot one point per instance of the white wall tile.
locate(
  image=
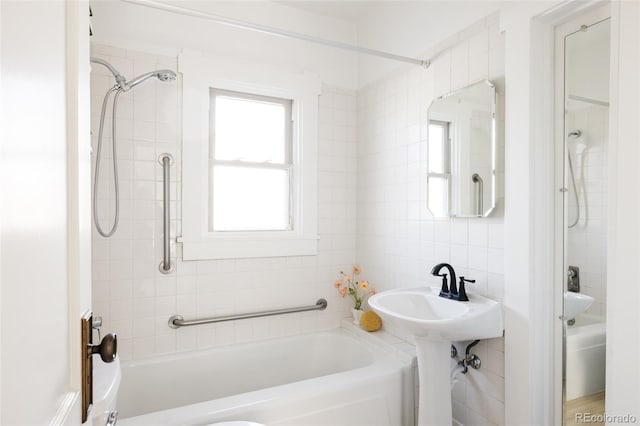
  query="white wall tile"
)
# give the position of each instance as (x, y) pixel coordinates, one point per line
(398, 241)
(129, 289)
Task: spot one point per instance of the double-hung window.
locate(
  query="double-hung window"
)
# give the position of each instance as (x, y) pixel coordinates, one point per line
(251, 165)
(249, 160)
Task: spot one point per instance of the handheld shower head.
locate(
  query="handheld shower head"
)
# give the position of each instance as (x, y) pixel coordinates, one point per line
(166, 75)
(162, 75)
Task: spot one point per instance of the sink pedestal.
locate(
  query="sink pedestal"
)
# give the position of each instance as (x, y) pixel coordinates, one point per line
(434, 322)
(435, 382)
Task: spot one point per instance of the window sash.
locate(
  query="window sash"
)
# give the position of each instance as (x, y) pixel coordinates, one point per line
(286, 166)
(288, 118)
(252, 165)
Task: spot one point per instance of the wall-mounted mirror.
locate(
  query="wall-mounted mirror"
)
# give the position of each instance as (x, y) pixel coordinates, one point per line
(461, 179)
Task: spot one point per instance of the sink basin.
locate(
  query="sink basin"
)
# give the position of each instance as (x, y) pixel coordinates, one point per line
(575, 304)
(434, 322)
(423, 313)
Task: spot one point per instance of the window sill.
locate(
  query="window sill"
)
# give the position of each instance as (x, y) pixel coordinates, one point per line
(247, 247)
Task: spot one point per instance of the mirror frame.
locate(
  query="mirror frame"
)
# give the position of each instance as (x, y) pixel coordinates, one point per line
(487, 211)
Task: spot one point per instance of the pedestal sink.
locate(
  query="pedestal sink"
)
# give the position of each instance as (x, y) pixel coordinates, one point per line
(434, 322)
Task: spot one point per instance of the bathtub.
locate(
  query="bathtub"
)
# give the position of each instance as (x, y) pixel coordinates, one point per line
(327, 378)
(585, 359)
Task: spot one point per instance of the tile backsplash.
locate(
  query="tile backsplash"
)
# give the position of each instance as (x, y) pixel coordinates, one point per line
(135, 299)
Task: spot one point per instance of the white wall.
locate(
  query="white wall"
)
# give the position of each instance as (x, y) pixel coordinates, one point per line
(129, 292)
(398, 241)
(117, 23)
(623, 294)
(33, 204)
(136, 300)
(413, 28)
(526, 389)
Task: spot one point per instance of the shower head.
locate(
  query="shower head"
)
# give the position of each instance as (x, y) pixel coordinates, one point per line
(124, 85)
(162, 75)
(166, 75)
(577, 142)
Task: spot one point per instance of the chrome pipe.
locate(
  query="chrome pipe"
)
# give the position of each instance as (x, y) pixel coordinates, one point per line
(177, 321)
(116, 74)
(275, 31)
(166, 266)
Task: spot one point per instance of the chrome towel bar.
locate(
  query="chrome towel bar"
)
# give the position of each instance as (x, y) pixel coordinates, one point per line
(177, 321)
(166, 160)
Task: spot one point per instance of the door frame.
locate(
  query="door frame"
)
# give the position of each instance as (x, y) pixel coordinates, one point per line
(545, 302)
(78, 195)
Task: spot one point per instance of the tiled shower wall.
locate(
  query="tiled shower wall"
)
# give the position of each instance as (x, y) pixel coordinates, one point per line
(135, 299)
(587, 240)
(398, 240)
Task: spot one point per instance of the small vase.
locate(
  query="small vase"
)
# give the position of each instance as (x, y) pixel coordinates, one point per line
(357, 313)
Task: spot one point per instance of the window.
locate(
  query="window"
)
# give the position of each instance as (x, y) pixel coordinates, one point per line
(249, 160)
(251, 165)
(438, 168)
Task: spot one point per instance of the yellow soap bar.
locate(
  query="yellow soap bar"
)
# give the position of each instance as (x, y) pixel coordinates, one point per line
(370, 321)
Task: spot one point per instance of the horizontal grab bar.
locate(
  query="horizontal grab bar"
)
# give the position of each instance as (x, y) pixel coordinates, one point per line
(177, 321)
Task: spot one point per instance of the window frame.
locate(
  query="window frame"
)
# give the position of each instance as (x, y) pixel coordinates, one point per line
(446, 166)
(287, 165)
(199, 75)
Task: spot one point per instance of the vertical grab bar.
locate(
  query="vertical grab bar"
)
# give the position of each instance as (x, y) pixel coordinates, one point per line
(166, 266)
(479, 194)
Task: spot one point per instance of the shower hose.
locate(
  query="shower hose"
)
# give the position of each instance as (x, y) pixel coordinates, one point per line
(96, 221)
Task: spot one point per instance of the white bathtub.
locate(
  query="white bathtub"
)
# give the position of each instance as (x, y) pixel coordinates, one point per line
(585, 359)
(329, 378)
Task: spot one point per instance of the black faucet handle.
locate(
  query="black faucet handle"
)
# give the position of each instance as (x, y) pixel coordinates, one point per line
(462, 293)
(444, 290)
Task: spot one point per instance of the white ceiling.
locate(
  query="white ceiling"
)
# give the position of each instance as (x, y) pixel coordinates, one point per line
(345, 10)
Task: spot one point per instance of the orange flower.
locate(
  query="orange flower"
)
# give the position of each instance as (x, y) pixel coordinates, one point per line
(347, 278)
(356, 269)
(337, 284)
(343, 291)
(372, 292)
(364, 285)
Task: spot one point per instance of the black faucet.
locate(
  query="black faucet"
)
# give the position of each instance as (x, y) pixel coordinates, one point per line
(451, 293)
(444, 291)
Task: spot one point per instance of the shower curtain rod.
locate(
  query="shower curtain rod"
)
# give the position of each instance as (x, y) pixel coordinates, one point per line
(588, 100)
(276, 31)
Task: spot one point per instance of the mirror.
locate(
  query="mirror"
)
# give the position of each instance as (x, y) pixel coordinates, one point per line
(461, 179)
(583, 170)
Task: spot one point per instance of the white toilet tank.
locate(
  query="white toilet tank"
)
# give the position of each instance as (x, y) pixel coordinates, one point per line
(106, 382)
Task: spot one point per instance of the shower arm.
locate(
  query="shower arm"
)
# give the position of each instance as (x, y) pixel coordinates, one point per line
(119, 77)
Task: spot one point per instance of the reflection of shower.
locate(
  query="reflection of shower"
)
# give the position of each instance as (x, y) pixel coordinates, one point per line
(122, 85)
(575, 135)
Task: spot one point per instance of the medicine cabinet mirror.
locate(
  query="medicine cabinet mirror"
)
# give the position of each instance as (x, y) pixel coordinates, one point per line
(461, 180)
